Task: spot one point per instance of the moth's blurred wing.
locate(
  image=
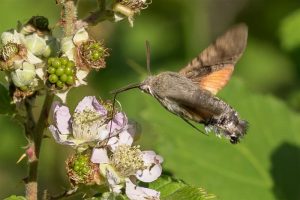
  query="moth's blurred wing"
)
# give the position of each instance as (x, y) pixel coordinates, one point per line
(212, 69)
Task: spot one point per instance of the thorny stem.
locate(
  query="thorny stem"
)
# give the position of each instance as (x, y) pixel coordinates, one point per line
(34, 149)
(69, 17)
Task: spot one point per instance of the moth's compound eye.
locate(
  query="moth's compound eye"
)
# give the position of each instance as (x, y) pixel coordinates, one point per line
(146, 88)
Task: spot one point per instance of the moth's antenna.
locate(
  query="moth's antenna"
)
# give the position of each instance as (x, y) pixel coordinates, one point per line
(127, 87)
(148, 53)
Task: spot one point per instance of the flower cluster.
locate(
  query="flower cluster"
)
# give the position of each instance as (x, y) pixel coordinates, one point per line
(27, 53)
(103, 138)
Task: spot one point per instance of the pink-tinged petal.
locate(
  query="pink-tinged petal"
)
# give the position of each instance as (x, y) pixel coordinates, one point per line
(150, 157)
(150, 174)
(91, 103)
(119, 122)
(134, 192)
(59, 138)
(62, 118)
(125, 138)
(113, 143)
(99, 156)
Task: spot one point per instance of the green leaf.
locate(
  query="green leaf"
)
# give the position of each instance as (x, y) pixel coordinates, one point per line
(14, 197)
(265, 165)
(289, 31)
(5, 102)
(171, 188)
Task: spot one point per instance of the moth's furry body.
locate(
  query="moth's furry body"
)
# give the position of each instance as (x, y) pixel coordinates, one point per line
(182, 97)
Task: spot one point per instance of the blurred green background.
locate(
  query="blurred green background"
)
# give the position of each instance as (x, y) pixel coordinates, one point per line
(264, 89)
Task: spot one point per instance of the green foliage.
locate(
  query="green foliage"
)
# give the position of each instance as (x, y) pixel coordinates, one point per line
(265, 68)
(232, 172)
(5, 101)
(14, 197)
(289, 31)
(172, 189)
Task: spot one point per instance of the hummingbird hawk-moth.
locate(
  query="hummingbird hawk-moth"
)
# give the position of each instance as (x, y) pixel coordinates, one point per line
(190, 93)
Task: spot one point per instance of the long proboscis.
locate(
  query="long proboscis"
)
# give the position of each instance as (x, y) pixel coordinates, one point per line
(125, 88)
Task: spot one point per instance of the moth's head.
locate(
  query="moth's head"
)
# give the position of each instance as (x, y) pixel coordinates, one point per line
(146, 85)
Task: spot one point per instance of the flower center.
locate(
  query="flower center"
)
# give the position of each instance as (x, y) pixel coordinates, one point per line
(86, 124)
(9, 50)
(127, 160)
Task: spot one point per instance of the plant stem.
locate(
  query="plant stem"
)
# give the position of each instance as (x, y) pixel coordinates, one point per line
(69, 17)
(34, 149)
(99, 15)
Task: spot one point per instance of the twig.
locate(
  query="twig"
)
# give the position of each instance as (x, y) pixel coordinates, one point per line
(33, 151)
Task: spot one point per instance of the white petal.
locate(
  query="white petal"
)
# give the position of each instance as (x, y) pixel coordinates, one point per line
(103, 132)
(134, 192)
(67, 44)
(40, 73)
(125, 138)
(14, 37)
(149, 174)
(59, 138)
(24, 75)
(35, 44)
(63, 95)
(80, 76)
(150, 157)
(91, 103)
(80, 36)
(62, 118)
(33, 59)
(110, 174)
(99, 156)
(113, 143)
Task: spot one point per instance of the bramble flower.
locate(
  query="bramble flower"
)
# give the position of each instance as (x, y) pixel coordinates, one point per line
(90, 123)
(125, 163)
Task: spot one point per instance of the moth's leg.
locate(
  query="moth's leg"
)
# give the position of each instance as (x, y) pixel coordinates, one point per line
(192, 125)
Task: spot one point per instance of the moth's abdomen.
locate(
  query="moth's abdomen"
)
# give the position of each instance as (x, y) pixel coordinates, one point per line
(230, 125)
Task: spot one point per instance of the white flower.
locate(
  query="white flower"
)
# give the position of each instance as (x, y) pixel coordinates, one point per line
(129, 162)
(68, 44)
(15, 37)
(89, 123)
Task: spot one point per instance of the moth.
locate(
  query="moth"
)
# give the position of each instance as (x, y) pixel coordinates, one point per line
(190, 93)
